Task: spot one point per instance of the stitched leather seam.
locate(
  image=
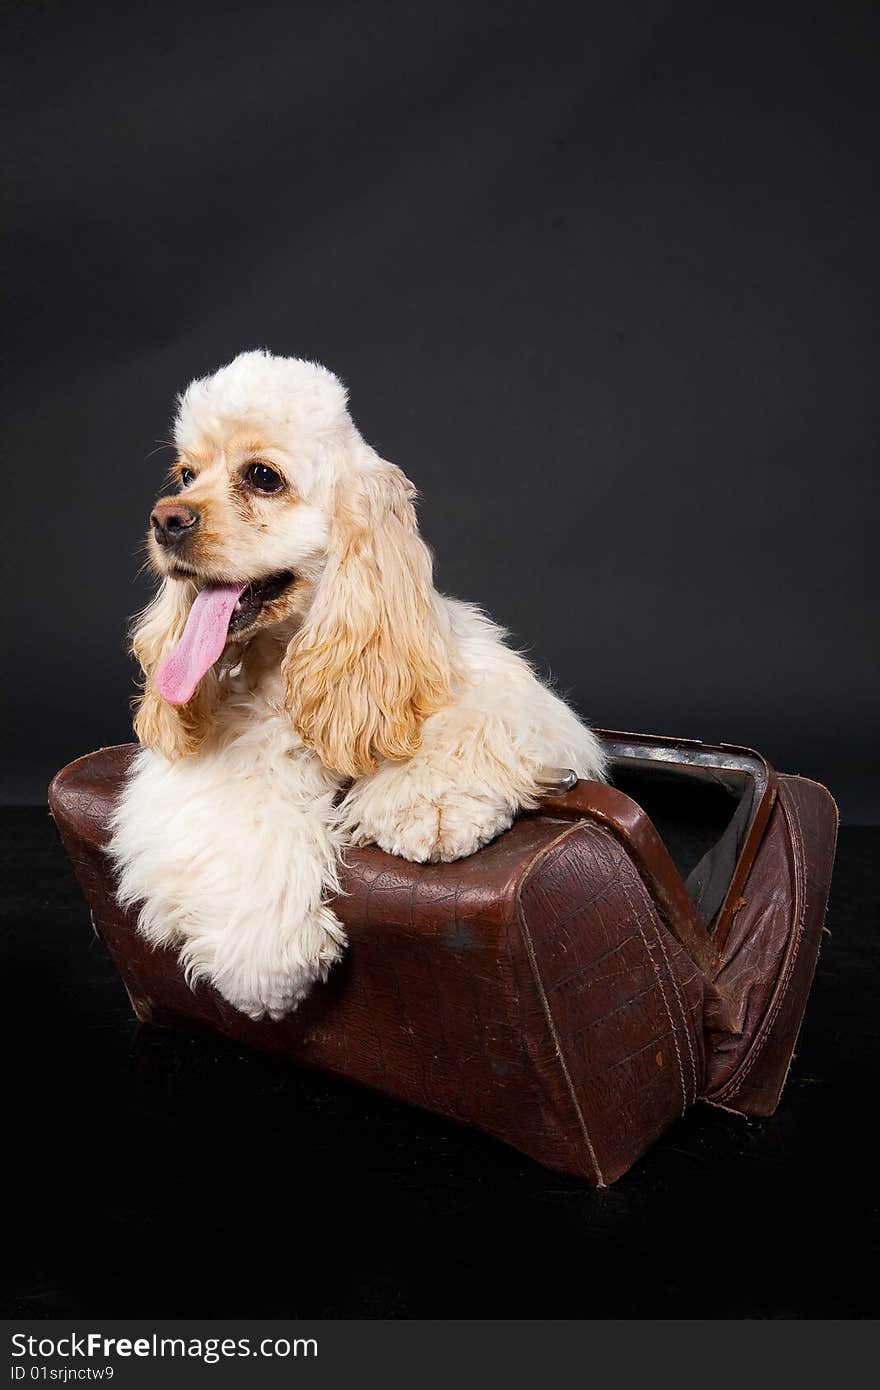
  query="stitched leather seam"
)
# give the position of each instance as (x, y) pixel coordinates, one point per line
(683, 1013)
(539, 985)
(656, 968)
(737, 1080)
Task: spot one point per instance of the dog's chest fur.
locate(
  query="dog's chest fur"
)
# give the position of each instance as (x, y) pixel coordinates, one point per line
(226, 827)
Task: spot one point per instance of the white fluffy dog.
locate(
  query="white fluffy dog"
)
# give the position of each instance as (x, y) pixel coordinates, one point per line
(306, 687)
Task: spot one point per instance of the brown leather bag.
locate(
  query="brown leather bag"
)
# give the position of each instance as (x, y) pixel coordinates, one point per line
(572, 988)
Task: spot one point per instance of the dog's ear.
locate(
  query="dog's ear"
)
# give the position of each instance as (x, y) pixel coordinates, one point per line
(370, 662)
(174, 730)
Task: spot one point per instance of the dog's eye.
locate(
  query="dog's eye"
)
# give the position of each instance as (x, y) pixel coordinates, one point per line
(187, 476)
(263, 478)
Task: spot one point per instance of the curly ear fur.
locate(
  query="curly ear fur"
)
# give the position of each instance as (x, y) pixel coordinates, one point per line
(371, 661)
(173, 730)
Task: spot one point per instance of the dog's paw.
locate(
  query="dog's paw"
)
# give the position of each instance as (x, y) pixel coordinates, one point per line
(274, 997)
(270, 973)
(431, 830)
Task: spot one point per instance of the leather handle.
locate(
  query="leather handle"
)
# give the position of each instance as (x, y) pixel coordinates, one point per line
(708, 760)
(627, 822)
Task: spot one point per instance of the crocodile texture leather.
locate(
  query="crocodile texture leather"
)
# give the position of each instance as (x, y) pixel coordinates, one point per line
(545, 990)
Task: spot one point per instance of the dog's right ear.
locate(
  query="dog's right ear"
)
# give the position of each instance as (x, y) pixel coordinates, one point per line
(173, 730)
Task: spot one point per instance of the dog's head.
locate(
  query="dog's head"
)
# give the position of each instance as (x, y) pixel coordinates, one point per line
(284, 525)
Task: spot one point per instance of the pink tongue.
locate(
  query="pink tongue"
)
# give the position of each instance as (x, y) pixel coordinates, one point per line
(204, 638)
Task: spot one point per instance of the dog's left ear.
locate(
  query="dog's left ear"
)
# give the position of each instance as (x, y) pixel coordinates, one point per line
(371, 661)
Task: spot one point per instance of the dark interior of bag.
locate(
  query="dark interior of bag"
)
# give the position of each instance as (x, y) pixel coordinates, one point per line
(702, 814)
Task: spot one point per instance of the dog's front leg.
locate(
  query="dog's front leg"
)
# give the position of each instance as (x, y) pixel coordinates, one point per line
(413, 812)
(266, 967)
(280, 938)
(482, 760)
(230, 858)
(460, 790)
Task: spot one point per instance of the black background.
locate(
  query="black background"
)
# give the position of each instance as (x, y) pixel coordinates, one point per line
(602, 279)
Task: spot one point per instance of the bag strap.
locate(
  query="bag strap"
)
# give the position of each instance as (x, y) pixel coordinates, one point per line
(627, 822)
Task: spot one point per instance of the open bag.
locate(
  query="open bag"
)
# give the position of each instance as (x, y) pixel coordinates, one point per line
(616, 955)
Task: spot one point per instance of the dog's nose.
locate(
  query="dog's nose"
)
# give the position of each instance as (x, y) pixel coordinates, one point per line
(172, 522)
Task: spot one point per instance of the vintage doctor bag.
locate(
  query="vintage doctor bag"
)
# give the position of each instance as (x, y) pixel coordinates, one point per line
(618, 954)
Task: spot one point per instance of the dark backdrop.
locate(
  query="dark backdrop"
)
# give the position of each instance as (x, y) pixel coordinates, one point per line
(601, 277)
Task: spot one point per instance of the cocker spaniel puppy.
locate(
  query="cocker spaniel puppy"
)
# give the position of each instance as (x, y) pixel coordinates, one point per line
(306, 687)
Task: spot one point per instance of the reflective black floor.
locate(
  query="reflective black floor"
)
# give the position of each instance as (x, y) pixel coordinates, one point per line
(155, 1175)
